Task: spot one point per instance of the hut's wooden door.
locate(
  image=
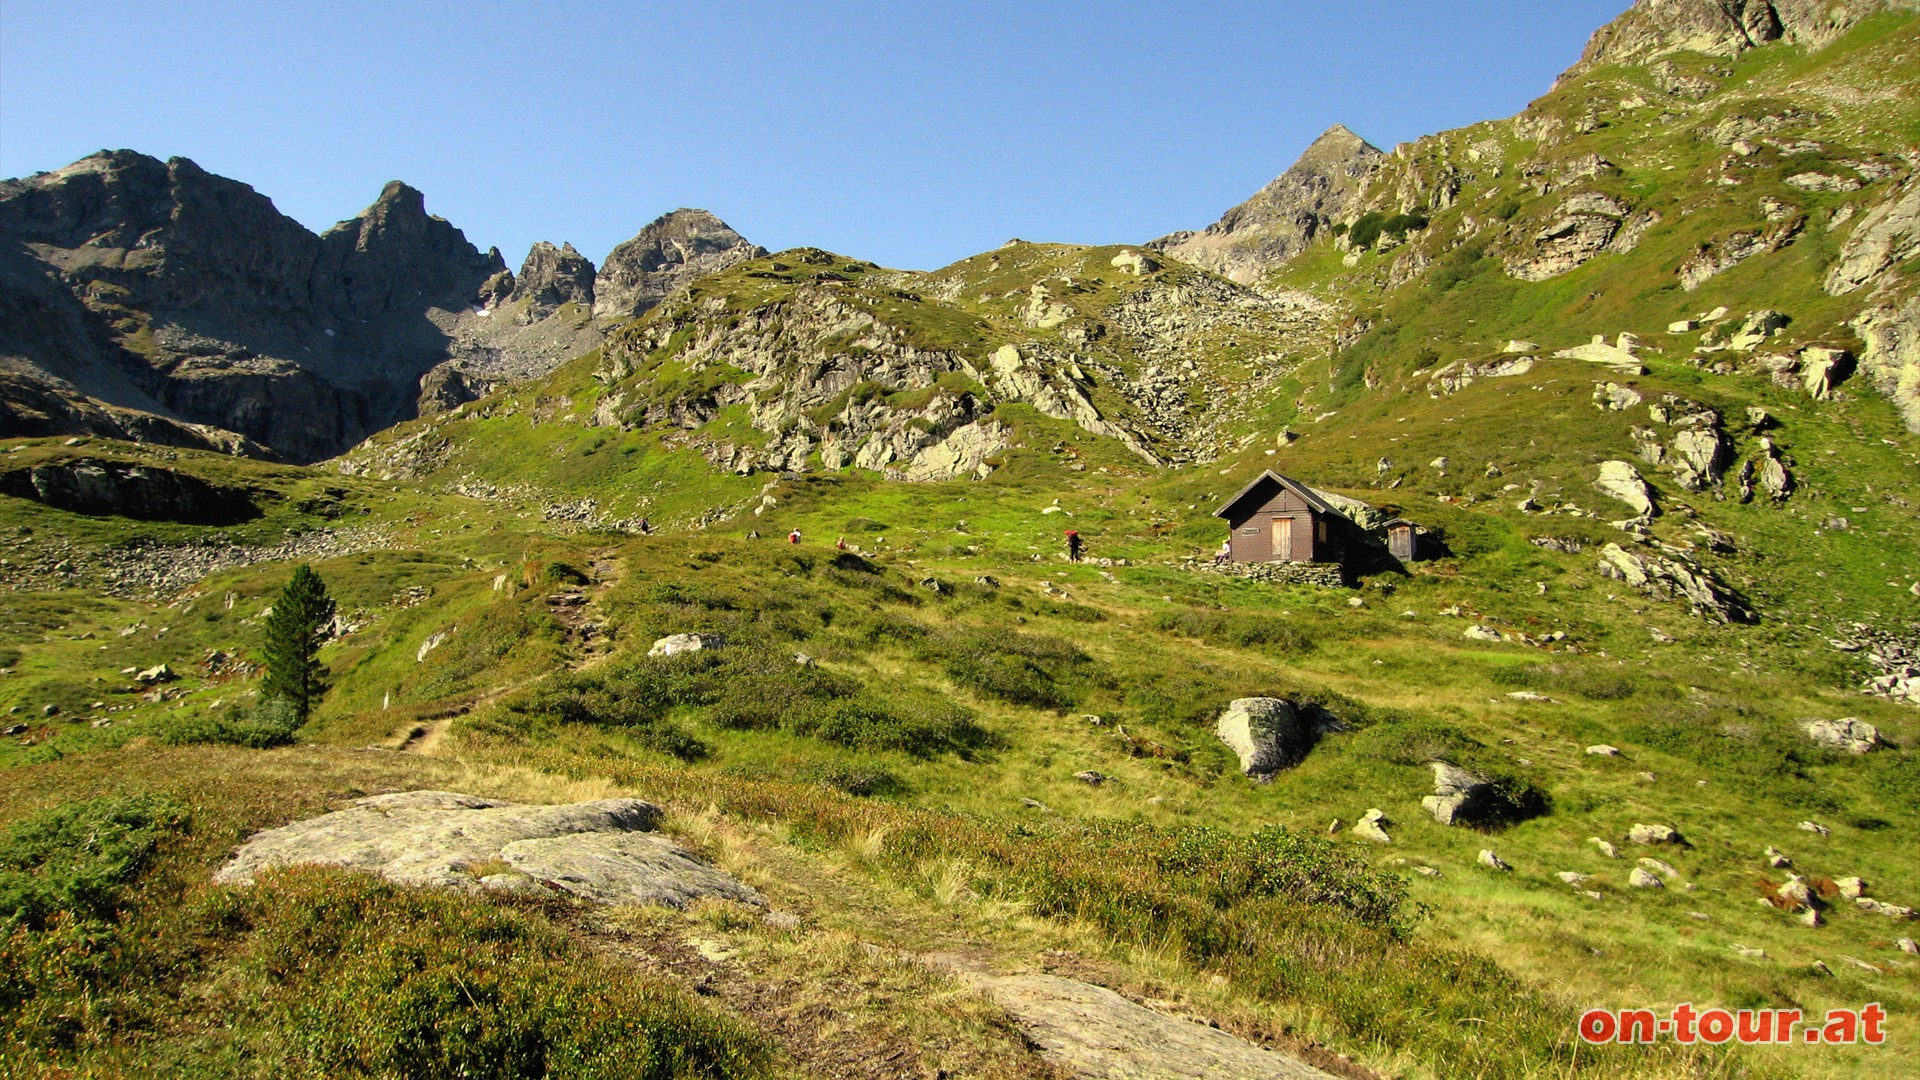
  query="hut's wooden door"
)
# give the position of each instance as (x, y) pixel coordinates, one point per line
(1283, 539)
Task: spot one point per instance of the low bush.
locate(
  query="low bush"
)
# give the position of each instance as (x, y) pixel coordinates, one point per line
(78, 860)
(350, 976)
(268, 724)
(1035, 670)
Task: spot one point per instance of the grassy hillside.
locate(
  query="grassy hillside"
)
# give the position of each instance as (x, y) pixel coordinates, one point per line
(946, 739)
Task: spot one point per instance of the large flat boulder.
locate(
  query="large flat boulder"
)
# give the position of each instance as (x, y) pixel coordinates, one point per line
(603, 851)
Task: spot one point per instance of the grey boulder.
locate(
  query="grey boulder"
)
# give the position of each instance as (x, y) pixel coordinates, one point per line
(1268, 734)
(602, 851)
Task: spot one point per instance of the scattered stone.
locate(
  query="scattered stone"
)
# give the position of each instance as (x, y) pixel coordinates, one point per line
(1493, 862)
(1134, 263)
(1334, 827)
(1603, 750)
(1091, 778)
(1906, 945)
(601, 851)
(49, 710)
(1428, 871)
(1852, 888)
(1878, 907)
(1035, 804)
(1529, 695)
(1642, 879)
(1479, 632)
(1614, 397)
(1654, 834)
(1820, 968)
(1814, 827)
(1356, 602)
(1606, 849)
(1853, 736)
(15, 729)
(675, 644)
(1796, 893)
(1372, 826)
(1749, 952)
(1778, 859)
(1683, 326)
(1573, 877)
(1664, 869)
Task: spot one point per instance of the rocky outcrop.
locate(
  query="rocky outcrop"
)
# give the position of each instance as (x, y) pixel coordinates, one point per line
(145, 492)
(1655, 28)
(1888, 235)
(1620, 480)
(1267, 734)
(1586, 225)
(1282, 218)
(1891, 357)
(1675, 576)
(672, 252)
(604, 852)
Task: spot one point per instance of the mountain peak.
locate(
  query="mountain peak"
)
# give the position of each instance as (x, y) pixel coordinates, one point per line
(673, 250)
(1285, 215)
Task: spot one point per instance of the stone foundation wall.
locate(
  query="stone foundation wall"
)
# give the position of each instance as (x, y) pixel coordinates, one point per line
(1324, 575)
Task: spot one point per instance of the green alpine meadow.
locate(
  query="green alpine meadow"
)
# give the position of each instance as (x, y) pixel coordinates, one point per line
(1474, 583)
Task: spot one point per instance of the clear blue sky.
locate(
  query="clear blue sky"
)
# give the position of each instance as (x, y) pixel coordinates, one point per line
(913, 134)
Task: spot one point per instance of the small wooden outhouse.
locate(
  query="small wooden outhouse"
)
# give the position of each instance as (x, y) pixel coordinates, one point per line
(1403, 542)
(1279, 519)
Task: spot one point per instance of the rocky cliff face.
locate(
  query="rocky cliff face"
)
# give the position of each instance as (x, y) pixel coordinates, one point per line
(1652, 29)
(187, 296)
(670, 253)
(156, 301)
(1282, 218)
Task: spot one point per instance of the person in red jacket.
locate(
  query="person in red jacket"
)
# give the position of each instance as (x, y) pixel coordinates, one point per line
(1073, 545)
(793, 537)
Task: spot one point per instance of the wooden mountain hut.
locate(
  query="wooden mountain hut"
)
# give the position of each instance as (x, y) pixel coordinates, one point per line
(1279, 519)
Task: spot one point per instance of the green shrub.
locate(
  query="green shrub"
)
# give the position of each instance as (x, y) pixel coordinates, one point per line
(80, 859)
(361, 978)
(1024, 669)
(270, 723)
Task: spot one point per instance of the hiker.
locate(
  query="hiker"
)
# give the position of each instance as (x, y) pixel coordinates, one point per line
(1225, 554)
(646, 527)
(1073, 545)
(840, 543)
(793, 537)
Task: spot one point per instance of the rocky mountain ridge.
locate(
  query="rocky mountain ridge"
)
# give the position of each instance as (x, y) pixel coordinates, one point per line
(153, 300)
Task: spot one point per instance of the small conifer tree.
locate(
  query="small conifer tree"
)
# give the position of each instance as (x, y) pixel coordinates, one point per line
(295, 630)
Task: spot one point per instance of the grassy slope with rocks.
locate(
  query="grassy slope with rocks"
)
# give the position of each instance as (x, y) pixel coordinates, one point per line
(957, 659)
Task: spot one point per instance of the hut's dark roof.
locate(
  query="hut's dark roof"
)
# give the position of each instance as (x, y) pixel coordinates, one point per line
(1311, 497)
